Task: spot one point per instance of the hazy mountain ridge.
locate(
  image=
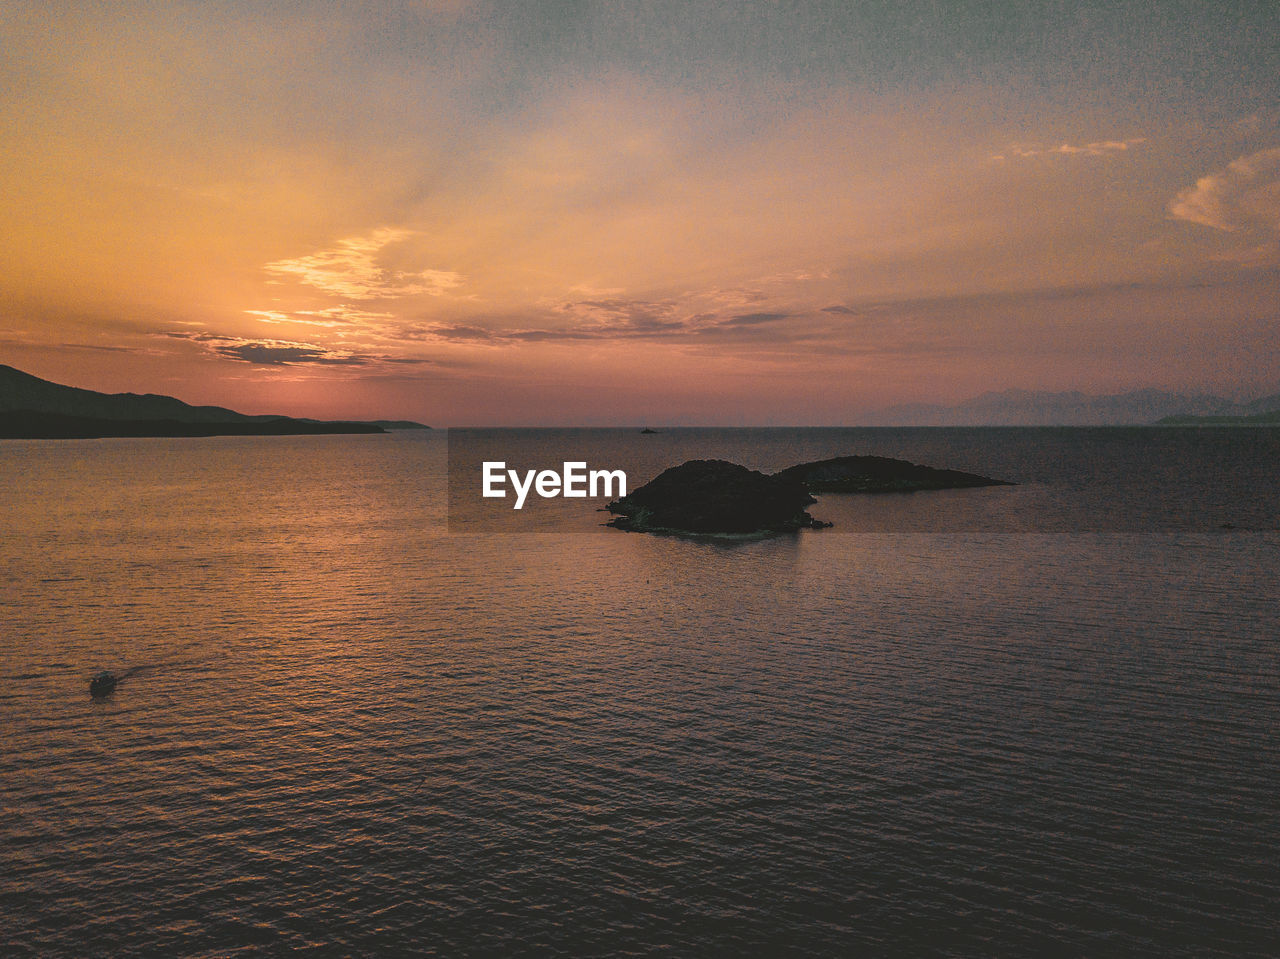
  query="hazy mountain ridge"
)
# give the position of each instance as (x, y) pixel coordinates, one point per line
(33, 407)
(27, 424)
(1069, 408)
(22, 391)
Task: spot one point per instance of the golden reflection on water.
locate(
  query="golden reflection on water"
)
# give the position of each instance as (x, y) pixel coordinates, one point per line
(354, 728)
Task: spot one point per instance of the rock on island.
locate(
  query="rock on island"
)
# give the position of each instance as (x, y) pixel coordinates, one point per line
(714, 496)
(880, 474)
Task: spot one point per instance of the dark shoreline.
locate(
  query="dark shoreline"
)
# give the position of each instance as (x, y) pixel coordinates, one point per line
(23, 424)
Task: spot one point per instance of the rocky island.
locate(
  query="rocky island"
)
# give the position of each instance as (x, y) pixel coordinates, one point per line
(880, 474)
(716, 497)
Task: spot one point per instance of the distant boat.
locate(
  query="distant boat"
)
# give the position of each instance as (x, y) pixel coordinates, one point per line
(647, 430)
(102, 683)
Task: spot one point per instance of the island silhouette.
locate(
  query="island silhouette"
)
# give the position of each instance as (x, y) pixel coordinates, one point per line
(716, 497)
(32, 408)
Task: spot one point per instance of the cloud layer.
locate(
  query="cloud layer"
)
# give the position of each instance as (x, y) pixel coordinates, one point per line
(270, 352)
(698, 198)
(1244, 196)
(1097, 148)
(351, 269)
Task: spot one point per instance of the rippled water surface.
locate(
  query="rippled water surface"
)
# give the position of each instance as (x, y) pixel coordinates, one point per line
(344, 728)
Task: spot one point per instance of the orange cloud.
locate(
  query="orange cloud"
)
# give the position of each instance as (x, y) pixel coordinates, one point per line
(351, 269)
(332, 316)
(1095, 149)
(1243, 196)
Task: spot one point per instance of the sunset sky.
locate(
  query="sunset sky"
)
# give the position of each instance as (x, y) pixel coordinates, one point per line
(650, 212)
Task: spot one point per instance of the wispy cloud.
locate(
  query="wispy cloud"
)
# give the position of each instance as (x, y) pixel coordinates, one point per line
(293, 353)
(26, 340)
(754, 319)
(333, 316)
(1244, 196)
(271, 352)
(279, 354)
(352, 270)
(1097, 148)
(620, 315)
(618, 320)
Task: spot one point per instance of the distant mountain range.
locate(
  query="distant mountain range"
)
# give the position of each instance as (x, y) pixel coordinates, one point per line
(1253, 419)
(1032, 408)
(33, 408)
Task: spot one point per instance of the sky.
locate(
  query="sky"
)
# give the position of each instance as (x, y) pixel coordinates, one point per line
(594, 213)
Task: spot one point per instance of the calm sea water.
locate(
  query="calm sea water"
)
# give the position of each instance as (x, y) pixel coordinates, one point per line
(1024, 720)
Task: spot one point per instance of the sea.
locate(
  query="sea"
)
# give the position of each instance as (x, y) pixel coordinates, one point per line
(356, 719)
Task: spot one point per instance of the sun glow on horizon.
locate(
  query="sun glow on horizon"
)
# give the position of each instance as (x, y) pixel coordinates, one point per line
(771, 220)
